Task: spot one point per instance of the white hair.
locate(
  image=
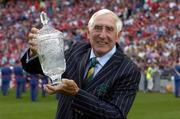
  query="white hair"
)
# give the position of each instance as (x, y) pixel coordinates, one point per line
(119, 23)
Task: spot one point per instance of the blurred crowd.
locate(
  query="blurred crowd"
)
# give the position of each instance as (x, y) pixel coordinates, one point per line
(150, 35)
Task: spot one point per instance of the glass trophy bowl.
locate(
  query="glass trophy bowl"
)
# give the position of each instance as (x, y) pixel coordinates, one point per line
(51, 51)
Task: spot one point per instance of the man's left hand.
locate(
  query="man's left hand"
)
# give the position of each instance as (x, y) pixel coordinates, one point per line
(66, 87)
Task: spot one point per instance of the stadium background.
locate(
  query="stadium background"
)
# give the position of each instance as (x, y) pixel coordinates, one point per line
(150, 35)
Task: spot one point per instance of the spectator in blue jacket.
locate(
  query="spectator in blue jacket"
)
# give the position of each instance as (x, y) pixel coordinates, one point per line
(18, 72)
(33, 87)
(6, 73)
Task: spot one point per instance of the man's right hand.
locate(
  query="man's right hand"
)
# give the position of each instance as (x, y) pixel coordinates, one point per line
(32, 41)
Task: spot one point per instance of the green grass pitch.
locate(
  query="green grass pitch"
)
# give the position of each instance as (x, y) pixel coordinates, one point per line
(155, 106)
(146, 106)
(24, 108)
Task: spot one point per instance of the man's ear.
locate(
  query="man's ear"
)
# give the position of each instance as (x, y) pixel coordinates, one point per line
(88, 34)
(118, 37)
(119, 34)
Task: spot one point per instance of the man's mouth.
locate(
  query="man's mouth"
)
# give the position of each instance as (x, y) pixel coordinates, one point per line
(101, 43)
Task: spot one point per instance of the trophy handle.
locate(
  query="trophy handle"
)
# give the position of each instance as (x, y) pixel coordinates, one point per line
(44, 18)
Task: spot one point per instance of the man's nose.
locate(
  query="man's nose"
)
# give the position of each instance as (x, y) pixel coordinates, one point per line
(103, 33)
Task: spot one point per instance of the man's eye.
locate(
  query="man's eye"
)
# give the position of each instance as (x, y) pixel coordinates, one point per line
(109, 28)
(98, 28)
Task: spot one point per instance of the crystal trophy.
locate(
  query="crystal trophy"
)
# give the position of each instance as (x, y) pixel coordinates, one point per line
(51, 51)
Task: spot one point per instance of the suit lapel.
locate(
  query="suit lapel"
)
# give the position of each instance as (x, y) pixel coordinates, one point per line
(82, 67)
(107, 69)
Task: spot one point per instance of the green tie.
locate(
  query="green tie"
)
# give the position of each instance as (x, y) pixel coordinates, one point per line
(90, 73)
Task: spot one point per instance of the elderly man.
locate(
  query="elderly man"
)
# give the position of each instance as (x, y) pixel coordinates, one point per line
(100, 81)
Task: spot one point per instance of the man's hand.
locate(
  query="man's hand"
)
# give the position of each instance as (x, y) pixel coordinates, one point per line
(67, 87)
(31, 41)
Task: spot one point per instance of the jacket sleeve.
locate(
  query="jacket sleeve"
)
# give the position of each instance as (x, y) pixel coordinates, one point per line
(31, 66)
(122, 93)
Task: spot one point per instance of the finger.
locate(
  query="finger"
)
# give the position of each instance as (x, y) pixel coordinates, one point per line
(53, 88)
(49, 91)
(69, 85)
(66, 81)
(32, 36)
(33, 46)
(63, 81)
(32, 42)
(58, 87)
(34, 30)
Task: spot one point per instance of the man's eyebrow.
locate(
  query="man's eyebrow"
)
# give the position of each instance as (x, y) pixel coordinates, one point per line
(107, 26)
(97, 25)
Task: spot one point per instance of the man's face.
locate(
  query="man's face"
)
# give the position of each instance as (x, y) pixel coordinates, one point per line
(104, 35)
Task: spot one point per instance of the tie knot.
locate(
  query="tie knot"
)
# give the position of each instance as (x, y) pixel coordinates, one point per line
(93, 62)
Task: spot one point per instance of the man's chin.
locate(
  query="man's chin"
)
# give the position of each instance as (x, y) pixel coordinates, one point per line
(99, 52)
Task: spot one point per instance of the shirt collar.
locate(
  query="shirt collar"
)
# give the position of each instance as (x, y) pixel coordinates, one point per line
(103, 59)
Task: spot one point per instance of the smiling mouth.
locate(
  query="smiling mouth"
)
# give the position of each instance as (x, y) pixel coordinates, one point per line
(101, 43)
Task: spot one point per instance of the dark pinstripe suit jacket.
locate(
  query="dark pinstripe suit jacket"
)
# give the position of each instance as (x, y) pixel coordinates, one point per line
(108, 96)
